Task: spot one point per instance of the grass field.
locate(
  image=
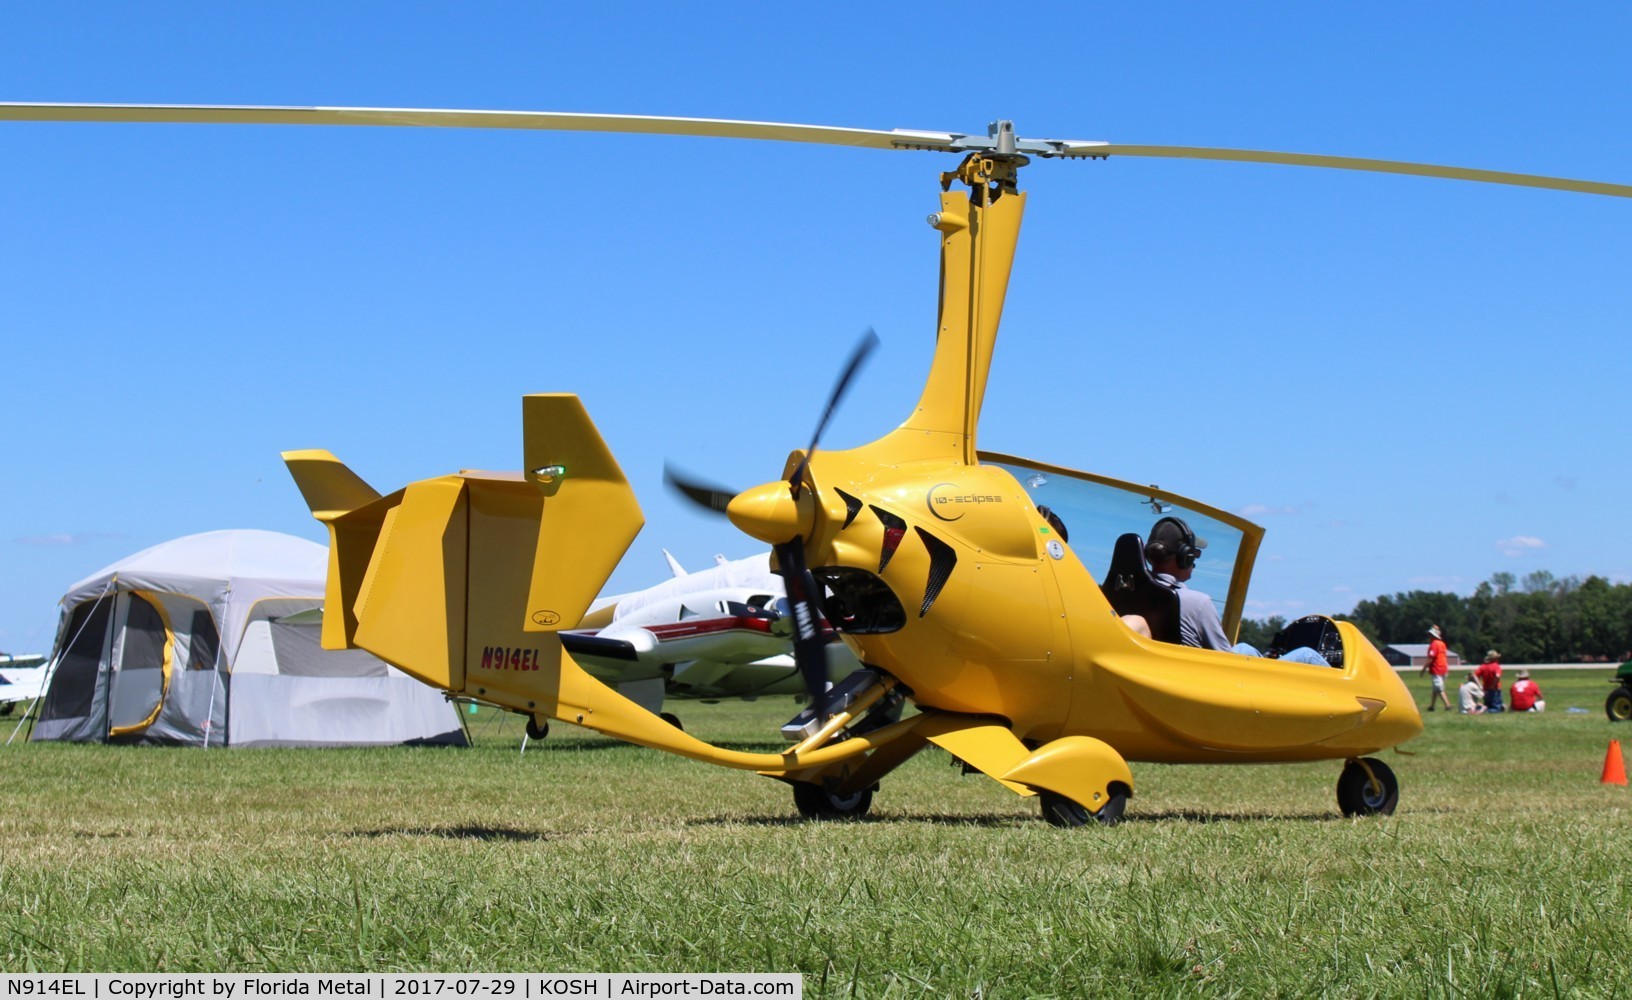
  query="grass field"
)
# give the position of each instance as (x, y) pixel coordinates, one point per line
(1499, 876)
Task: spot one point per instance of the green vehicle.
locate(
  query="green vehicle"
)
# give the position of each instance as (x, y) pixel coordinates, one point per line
(1619, 705)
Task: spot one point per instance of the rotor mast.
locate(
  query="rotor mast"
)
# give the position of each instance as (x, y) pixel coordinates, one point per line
(979, 226)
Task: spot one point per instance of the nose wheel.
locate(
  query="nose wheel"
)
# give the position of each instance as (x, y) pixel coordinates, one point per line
(1061, 811)
(1367, 787)
(816, 802)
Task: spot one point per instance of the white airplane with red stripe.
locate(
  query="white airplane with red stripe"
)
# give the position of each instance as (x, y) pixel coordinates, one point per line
(722, 632)
(22, 678)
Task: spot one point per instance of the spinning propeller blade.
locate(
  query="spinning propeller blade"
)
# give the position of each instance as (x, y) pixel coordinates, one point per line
(863, 349)
(705, 495)
(804, 601)
(804, 594)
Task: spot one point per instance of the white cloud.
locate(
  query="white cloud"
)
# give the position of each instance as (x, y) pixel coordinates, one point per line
(1267, 510)
(64, 539)
(1286, 609)
(1519, 545)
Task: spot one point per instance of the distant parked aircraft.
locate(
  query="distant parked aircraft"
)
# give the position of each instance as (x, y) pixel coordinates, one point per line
(721, 632)
(22, 678)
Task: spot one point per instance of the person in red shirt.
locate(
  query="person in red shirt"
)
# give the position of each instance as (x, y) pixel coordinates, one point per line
(1490, 675)
(1437, 667)
(1526, 694)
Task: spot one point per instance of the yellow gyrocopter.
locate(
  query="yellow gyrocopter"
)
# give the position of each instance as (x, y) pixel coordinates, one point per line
(950, 573)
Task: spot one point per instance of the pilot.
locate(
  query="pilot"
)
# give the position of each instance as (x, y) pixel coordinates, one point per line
(1172, 552)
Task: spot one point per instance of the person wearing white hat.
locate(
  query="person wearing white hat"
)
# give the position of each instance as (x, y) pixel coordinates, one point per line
(1436, 667)
(1527, 694)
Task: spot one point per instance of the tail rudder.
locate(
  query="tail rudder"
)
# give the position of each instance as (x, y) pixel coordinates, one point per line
(333, 491)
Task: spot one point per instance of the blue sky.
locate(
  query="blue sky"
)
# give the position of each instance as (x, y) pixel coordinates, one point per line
(1411, 383)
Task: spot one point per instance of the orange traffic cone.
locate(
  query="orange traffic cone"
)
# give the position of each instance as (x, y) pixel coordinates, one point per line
(1614, 766)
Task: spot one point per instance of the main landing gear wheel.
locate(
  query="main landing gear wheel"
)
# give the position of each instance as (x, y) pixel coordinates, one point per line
(1619, 705)
(537, 730)
(816, 802)
(1061, 811)
(1358, 795)
(671, 719)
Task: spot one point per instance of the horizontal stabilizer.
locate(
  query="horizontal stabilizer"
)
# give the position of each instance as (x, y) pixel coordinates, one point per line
(595, 647)
(329, 487)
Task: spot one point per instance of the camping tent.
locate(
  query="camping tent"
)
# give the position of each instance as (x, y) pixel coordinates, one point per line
(212, 639)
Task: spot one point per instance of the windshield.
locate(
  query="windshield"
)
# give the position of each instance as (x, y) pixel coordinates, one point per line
(1097, 510)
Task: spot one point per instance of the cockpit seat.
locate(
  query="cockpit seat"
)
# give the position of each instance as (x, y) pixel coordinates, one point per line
(1133, 591)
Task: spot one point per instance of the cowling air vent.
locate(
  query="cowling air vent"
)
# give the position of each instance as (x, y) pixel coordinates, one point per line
(895, 529)
(942, 560)
(852, 507)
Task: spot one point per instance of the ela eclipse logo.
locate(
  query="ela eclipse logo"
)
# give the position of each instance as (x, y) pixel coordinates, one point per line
(545, 618)
(946, 503)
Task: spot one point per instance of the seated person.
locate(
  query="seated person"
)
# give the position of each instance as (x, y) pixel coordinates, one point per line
(1526, 694)
(1172, 551)
(1472, 695)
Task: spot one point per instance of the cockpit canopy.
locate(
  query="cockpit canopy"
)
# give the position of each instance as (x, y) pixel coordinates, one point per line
(1097, 510)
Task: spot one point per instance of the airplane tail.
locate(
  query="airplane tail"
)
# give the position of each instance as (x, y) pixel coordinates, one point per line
(336, 495)
(462, 580)
(329, 487)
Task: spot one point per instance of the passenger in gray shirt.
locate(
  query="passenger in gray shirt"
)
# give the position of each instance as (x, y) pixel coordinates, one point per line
(1172, 553)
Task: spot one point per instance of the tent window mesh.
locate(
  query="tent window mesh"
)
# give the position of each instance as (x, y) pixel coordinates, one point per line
(205, 642)
(74, 681)
(144, 637)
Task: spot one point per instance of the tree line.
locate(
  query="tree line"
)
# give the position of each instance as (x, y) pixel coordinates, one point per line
(1539, 619)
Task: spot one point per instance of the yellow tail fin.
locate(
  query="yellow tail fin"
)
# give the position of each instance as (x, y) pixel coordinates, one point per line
(352, 510)
(329, 487)
(463, 580)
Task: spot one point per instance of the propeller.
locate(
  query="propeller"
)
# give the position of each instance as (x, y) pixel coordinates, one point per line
(705, 495)
(858, 356)
(804, 594)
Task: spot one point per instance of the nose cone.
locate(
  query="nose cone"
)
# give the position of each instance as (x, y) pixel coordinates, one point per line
(769, 512)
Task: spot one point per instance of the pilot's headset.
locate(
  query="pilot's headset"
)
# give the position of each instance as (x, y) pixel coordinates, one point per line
(1172, 537)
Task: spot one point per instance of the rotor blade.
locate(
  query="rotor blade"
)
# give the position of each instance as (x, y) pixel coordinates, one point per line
(809, 645)
(226, 114)
(1103, 149)
(868, 342)
(705, 495)
(222, 114)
